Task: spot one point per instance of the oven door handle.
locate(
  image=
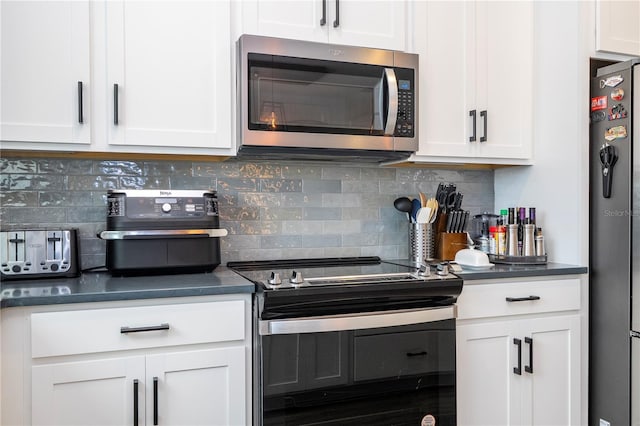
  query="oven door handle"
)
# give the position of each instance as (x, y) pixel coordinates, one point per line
(356, 322)
(161, 233)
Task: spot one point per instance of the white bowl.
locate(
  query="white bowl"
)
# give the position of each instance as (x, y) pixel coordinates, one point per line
(473, 259)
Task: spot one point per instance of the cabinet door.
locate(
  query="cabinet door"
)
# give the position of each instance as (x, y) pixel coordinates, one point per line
(380, 24)
(447, 77)
(97, 392)
(294, 19)
(205, 387)
(504, 75)
(488, 390)
(171, 62)
(476, 83)
(553, 395)
(45, 55)
(617, 28)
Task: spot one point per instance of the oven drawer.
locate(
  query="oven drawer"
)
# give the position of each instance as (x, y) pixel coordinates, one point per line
(403, 354)
(101, 330)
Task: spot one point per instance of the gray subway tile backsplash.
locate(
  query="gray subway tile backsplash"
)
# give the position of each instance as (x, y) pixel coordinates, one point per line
(271, 209)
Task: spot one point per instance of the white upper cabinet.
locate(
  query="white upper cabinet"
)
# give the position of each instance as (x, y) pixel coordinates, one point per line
(168, 80)
(46, 73)
(618, 26)
(476, 81)
(380, 24)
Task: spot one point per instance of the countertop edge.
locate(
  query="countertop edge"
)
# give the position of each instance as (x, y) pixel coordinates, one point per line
(95, 287)
(500, 272)
(127, 295)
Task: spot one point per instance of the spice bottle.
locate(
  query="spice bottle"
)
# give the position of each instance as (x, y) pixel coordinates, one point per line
(540, 250)
(528, 246)
(501, 240)
(512, 240)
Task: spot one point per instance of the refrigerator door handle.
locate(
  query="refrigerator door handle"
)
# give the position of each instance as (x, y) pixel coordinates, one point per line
(635, 334)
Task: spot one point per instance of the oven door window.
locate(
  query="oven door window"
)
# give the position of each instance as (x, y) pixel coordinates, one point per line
(312, 96)
(394, 375)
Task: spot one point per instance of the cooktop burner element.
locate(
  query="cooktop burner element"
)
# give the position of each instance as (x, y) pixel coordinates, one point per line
(303, 287)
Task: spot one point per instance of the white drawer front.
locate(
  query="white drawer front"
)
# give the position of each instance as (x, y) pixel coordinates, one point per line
(490, 300)
(99, 330)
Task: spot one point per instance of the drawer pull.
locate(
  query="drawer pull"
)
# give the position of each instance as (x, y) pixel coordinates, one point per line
(518, 370)
(80, 118)
(115, 104)
(529, 368)
(472, 114)
(125, 330)
(323, 21)
(483, 114)
(155, 401)
(412, 354)
(522, 299)
(135, 402)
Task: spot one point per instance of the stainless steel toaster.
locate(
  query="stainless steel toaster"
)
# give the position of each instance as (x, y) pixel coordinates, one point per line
(38, 253)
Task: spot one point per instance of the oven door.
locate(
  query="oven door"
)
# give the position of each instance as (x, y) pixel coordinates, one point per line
(373, 369)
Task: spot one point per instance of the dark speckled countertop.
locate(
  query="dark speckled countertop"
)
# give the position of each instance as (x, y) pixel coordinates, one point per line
(499, 271)
(521, 271)
(102, 287)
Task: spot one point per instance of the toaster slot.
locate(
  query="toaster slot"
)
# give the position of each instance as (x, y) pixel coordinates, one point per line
(15, 246)
(54, 245)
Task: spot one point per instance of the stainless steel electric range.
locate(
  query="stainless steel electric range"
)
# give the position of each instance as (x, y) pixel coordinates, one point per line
(352, 341)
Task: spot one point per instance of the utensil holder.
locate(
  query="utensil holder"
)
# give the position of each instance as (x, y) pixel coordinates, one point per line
(421, 242)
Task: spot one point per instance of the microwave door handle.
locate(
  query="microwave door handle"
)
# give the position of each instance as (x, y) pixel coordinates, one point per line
(392, 111)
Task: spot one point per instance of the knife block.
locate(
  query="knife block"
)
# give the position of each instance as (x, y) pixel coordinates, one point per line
(449, 243)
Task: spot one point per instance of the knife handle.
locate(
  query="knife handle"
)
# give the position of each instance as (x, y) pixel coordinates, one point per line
(449, 220)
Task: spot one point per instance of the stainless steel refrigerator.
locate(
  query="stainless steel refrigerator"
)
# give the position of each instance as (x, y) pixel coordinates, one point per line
(614, 299)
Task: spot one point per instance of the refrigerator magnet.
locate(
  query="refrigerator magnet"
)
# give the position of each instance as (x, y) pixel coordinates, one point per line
(598, 116)
(617, 94)
(599, 102)
(611, 81)
(617, 132)
(617, 112)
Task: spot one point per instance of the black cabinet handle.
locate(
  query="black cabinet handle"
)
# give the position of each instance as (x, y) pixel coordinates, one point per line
(529, 368)
(135, 402)
(80, 118)
(323, 21)
(115, 104)
(522, 299)
(155, 401)
(412, 354)
(125, 330)
(518, 370)
(336, 23)
(472, 114)
(483, 114)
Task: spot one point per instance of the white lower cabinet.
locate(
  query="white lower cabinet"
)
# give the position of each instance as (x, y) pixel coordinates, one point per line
(179, 388)
(170, 364)
(520, 367)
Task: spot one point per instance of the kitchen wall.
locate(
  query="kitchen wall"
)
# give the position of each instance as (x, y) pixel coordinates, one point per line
(272, 209)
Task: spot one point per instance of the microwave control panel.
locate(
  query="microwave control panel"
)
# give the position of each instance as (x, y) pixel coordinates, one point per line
(406, 103)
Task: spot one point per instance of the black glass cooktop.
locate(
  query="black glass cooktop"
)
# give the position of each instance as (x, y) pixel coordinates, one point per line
(304, 287)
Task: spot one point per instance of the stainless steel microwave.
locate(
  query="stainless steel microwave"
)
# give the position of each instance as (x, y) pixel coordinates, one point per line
(299, 99)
